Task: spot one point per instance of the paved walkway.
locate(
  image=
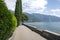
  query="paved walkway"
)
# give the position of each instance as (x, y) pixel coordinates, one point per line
(24, 33)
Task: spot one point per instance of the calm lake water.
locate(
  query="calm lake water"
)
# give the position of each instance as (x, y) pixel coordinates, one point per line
(51, 26)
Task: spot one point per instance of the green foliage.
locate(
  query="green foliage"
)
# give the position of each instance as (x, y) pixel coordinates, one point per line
(18, 11)
(8, 22)
(24, 17)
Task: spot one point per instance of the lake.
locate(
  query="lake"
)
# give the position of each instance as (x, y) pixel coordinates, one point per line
(51, 26)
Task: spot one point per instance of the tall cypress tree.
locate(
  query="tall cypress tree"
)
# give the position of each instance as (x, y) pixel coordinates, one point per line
(18, 11)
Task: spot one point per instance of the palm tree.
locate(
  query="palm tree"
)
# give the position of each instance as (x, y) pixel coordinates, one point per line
(18, 11)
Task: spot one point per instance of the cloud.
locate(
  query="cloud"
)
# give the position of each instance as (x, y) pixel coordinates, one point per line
(54, 12)
(34, 6)
(30, 6)
(38, 4)
(10, 4)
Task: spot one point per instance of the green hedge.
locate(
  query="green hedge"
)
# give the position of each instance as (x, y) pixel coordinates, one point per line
(8, 22)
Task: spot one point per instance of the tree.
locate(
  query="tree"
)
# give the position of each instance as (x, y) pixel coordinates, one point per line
(24, 18)
(8, 22)
(18, 11)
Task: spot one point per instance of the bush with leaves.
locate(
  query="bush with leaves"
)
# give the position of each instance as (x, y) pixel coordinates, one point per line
(8, 22)
(24, 17)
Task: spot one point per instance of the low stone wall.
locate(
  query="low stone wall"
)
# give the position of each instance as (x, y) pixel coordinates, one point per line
(50, 35)
(45, 33)
(33, 29)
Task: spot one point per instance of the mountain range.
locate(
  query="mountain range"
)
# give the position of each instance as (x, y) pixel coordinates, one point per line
(37, 17)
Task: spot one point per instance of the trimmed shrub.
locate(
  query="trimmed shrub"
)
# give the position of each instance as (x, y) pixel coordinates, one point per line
(8, 22)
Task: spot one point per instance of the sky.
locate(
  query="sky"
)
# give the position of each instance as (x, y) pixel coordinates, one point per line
(47, 7)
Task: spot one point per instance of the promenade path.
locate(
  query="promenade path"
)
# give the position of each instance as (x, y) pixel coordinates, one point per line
(24, 33)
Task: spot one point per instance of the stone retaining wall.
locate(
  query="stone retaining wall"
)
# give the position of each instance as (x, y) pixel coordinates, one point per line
(45, 33)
